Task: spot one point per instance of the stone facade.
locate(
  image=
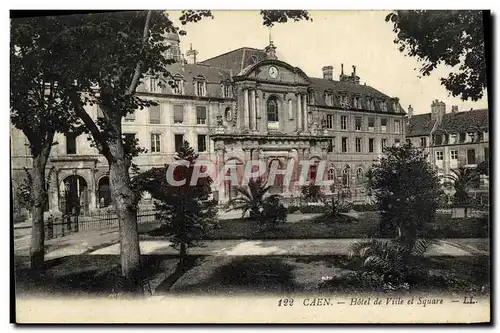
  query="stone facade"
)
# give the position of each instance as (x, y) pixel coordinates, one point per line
(242, 105)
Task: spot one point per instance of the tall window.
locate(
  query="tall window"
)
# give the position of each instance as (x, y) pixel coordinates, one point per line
(155, 142)
(331, 145)
(310, 97)
(202, 143)
(439, 155)
(331, 174)
(178, 114)
(154, 84)
(423, 142)
(358, 123)
(471, 156)
(397, 126)
(345, 176)
(358, 145)
(179, 86)
(344, 145)
(272, 109)
(343, 122)
(371, 145)
(130, 117)
(470, 137)
(201, 115)
(329, 121)
(154, 114)
(383, 144)
(371, 124)
(383, 124)
(71, 143)
(227, 91)
(178, 140)
(454, 154)
(200, 87)
(290, 109)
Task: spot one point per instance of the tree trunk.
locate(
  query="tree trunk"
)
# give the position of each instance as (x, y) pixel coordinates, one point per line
(39, 199)
(126, 210)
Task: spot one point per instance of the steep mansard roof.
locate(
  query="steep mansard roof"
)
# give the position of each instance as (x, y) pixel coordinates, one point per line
(225, 66)
(459, 122)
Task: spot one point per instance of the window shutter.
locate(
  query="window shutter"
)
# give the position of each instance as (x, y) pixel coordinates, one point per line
(201, 112)
(154, 114)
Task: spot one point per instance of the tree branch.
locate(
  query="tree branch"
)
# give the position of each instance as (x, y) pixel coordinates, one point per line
(90, 124)
(138, 67)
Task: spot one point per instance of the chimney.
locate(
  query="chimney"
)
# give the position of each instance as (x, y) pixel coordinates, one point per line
(191, 55)
(454, 109)
(438, 109)
(328, 73)
(410, 111)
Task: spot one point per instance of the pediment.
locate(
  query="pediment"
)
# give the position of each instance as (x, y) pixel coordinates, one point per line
(275, 71)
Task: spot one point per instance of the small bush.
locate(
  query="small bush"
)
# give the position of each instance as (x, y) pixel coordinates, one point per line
(364, 207)
(292, 209)
(312, 193)
(273, 212)
(312, 209)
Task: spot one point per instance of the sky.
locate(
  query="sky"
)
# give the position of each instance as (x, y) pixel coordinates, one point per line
(360, 38)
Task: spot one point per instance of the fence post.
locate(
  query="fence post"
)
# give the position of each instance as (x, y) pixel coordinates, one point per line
(76, 229)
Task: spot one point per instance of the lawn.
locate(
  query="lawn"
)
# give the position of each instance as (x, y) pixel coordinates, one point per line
(289, 274)
(94, 275)
(343, 226)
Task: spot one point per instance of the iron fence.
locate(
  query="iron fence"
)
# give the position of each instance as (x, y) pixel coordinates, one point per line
(61, 226)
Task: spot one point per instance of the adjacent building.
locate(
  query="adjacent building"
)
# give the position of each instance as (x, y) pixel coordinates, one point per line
(241, 105)
(454, 139)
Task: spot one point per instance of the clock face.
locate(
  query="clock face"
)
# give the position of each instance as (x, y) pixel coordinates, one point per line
(273, 72)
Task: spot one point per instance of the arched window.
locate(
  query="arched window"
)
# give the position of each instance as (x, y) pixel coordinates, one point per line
(104, 193)
(345, 176)
(272, 109)
(331, 174)
(359, 175)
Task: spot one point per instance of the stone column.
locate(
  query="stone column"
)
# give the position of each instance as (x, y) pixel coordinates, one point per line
(220, 164)
(246, 111)
(299, 114)
(253, 118)
(304, 109)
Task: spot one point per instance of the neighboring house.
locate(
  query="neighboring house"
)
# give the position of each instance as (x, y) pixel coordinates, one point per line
(455, 139)
(237, 106)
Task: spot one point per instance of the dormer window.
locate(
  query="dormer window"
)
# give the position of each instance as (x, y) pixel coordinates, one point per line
(154, 84)
(453, 138)
(344, 101)
(227, 90)
(383, 106)
(200, 86)
(310, 97)
(357, 103)
(329, 98)
(370, 104)
(178, 87)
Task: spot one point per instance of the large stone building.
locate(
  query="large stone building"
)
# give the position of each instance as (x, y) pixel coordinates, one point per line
(452, 140)
(241, 105)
